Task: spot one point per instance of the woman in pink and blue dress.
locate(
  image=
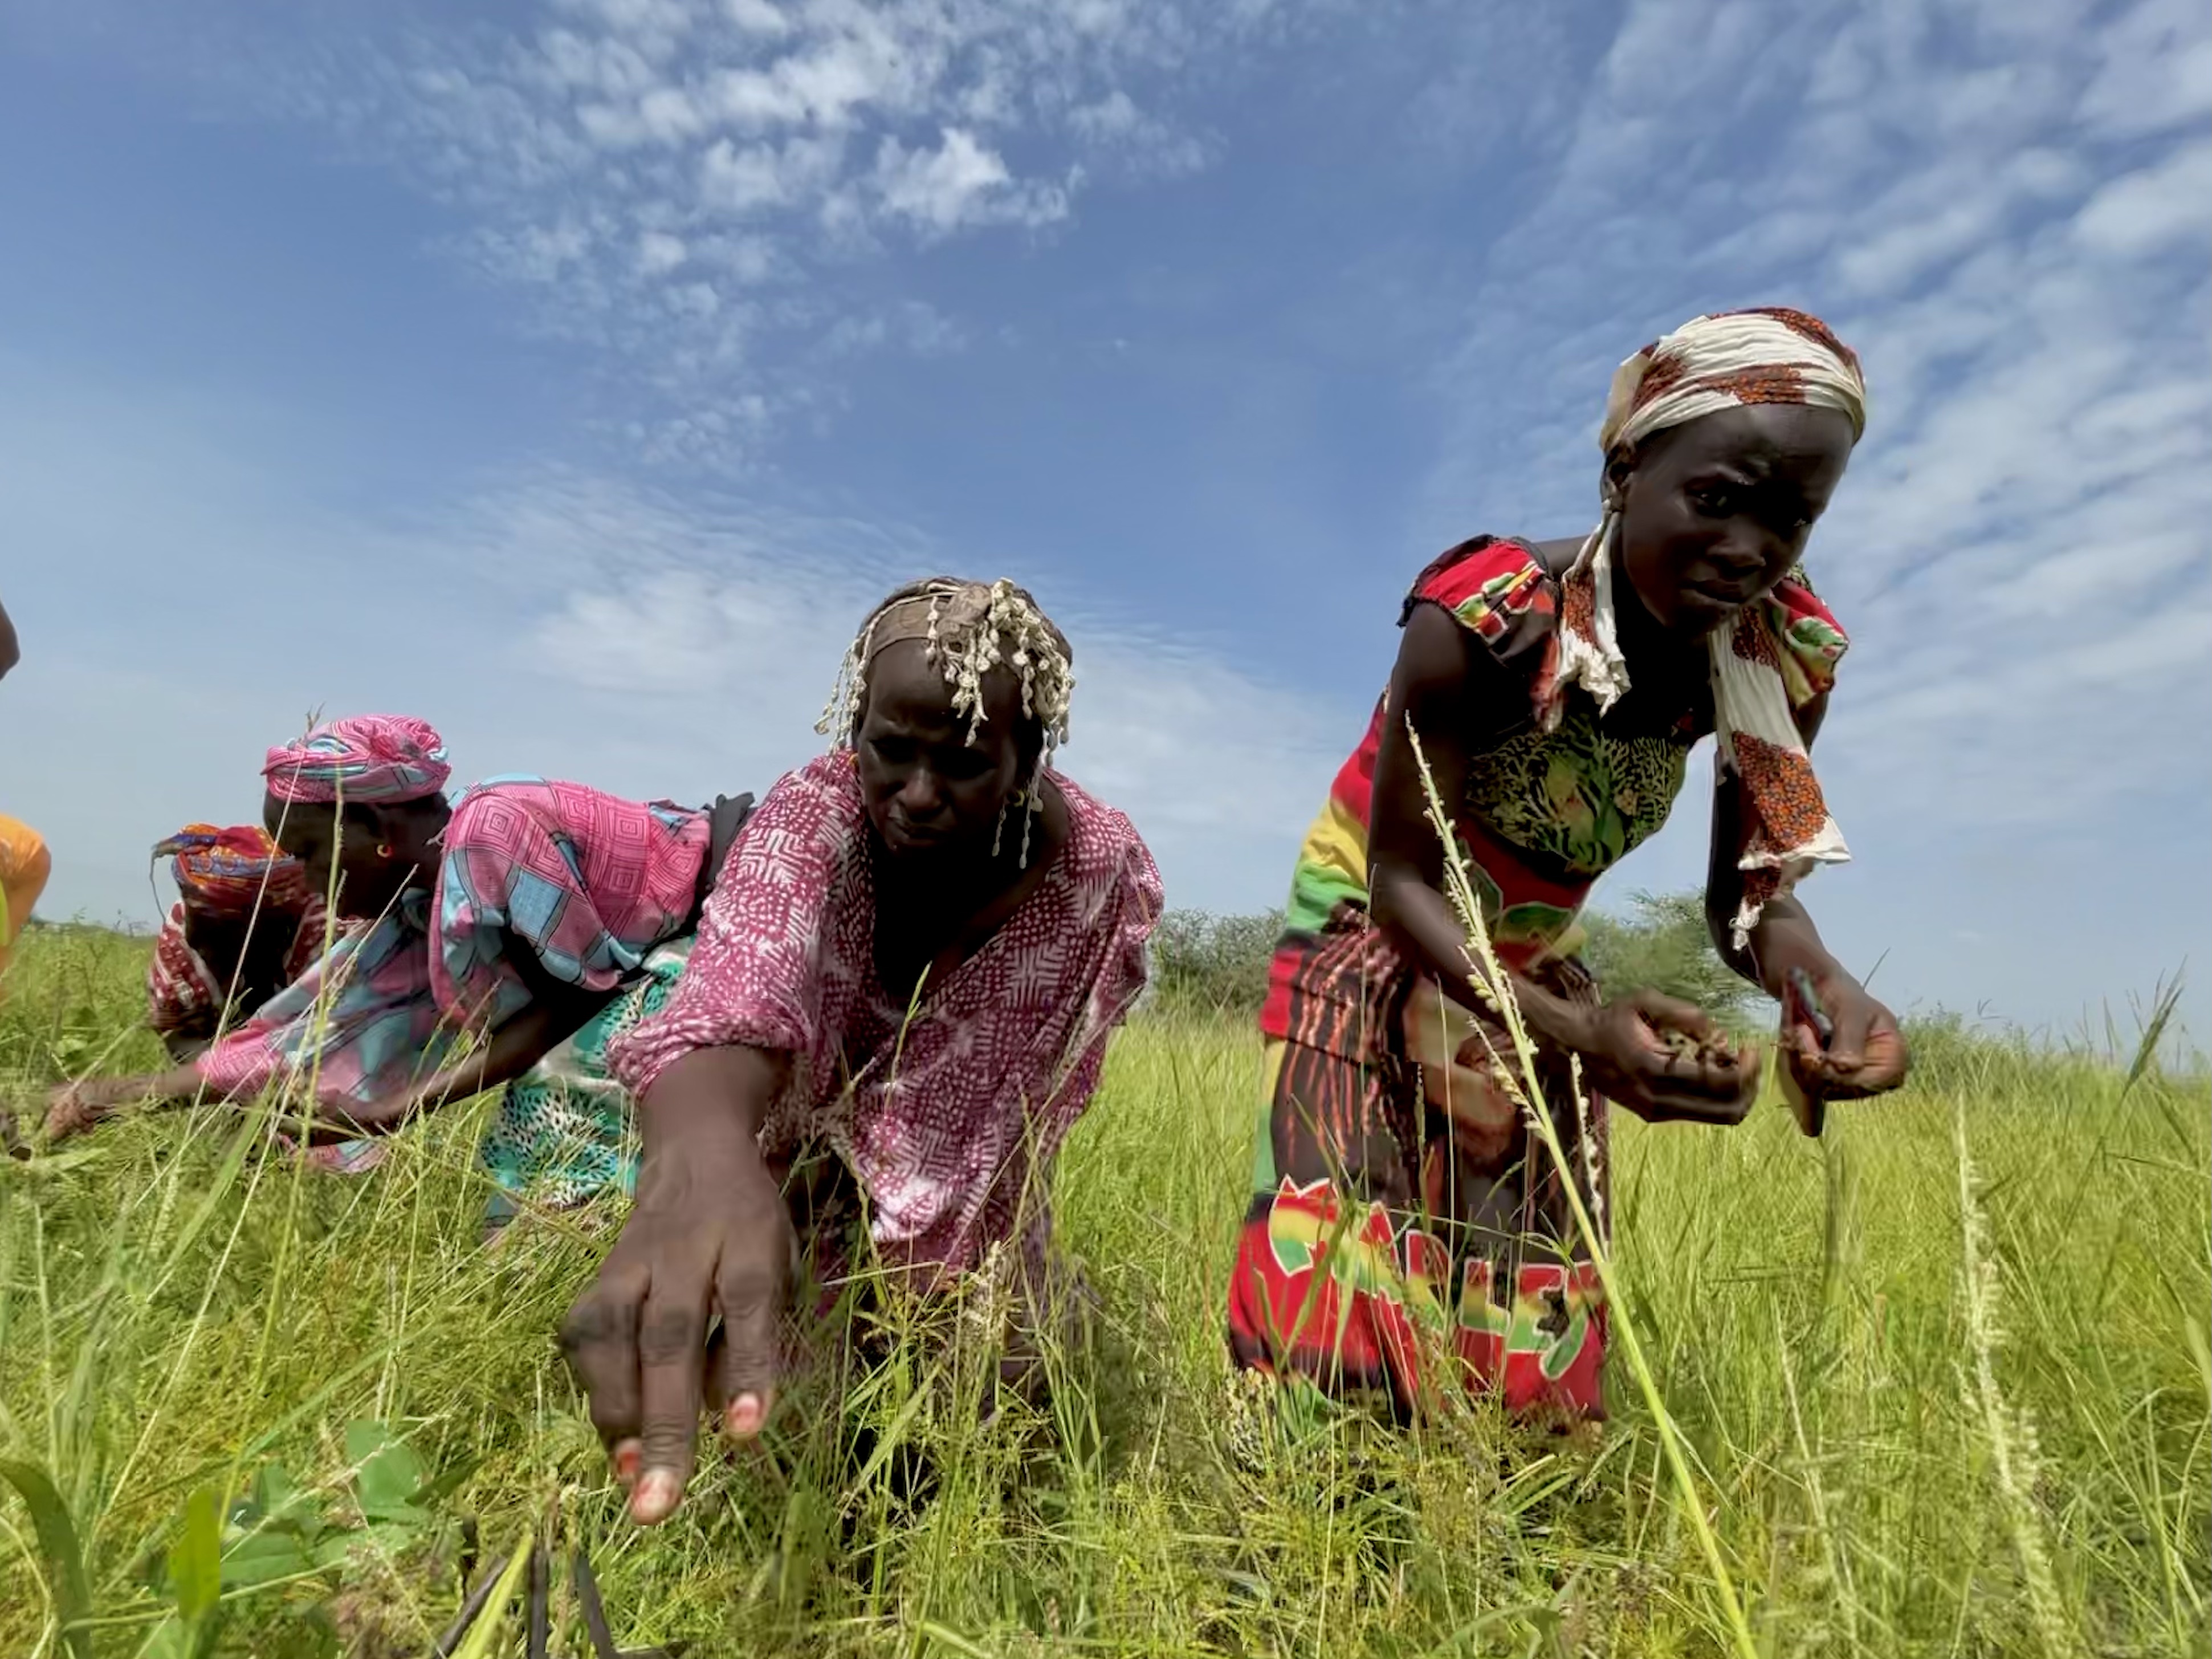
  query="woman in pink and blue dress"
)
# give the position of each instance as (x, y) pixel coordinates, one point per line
(537, 916)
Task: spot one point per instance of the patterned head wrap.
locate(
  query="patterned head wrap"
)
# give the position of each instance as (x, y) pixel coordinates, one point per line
(369, 757)
(969, 628)
(1725, 361)
(224, 873)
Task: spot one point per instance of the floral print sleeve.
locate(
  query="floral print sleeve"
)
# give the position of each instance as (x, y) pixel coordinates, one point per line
(1811, 641)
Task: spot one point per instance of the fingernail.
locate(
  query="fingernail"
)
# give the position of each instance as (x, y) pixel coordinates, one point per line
(626, 1452)
(744, 1417)
(655, 1497)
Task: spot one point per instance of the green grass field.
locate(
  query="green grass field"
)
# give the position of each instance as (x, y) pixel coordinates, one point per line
(1889, 1469)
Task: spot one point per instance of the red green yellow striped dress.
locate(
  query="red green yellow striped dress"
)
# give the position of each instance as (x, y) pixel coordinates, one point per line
(1398, 1231)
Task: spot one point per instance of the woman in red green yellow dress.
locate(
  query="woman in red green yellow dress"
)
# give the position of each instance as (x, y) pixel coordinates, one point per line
(1406, 1229)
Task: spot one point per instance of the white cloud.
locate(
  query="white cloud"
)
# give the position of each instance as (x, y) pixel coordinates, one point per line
(2145, 210)
(2005, 206)
(2153, 71)
(658, 253)
(957, 184)
(757, 17)
(589, 140)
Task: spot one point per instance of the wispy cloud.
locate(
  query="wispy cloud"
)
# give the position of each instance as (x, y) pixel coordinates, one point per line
(694, 185)
(560, 621)
(2003, 207)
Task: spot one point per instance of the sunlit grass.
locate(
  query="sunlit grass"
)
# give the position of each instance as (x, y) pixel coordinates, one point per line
(177, 1310)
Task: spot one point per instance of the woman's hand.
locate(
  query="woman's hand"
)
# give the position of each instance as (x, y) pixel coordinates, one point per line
(72, 1108)
(1666, 1061)
(710, 1235)
(1838, 1042)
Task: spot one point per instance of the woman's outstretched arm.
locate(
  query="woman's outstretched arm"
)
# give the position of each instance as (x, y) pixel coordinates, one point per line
(710, 1237)
(557, 1011)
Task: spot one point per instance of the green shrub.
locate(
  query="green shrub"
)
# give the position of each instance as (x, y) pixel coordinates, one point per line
(1663, 945)
(1217, 963)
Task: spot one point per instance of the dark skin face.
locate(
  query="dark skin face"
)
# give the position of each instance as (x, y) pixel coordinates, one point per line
(379, 851)
(224, 940)
(934, 801)
(932, 797)
(1715, 512)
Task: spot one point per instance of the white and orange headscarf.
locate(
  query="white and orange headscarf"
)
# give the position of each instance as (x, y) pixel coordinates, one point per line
(1725, 361)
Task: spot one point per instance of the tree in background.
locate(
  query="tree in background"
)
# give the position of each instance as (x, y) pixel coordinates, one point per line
(1663, 945)
(1209, 963)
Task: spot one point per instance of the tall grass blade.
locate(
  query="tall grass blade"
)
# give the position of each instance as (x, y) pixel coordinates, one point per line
(2010, 1433)
(57, 1545)
(485, 1636)
(2165, 1001)
(1492, 984)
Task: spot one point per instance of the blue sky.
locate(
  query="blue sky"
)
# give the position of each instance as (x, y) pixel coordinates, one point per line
(574, 373)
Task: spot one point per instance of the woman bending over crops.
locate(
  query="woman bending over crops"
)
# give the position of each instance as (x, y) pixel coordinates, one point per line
(246, 924)
(911, 963)
(536, 917)
(1403, 1211)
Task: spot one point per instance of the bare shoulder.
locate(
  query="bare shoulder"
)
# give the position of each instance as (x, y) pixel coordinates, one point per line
(1557, 555)
(1435, 651)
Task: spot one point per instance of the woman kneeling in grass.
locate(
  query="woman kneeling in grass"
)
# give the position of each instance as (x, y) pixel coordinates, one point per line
(539, 917)
(912, 962)
(245, 925)
(1402, 1207)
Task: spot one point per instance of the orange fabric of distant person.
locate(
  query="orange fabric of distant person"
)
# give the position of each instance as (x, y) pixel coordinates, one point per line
(24, 868)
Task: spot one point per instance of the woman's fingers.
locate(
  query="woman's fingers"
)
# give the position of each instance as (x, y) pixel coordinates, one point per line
(70, 1113)
(1666, 1013)
(1881, 1067)
(1709, 1084)
(599, 1339)
(751, 1297)
(671, 1352)
(1886, 1059)
(1704, 1080)
(1855, 1022)
(1865, 1054)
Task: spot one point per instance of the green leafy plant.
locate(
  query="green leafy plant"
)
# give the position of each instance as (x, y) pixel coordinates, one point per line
(278, 1534)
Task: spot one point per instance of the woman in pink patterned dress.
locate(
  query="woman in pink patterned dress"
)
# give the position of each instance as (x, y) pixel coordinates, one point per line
(912, 962)
(537, 915)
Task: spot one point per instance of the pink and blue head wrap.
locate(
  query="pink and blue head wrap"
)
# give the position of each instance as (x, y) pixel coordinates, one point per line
(371, 758)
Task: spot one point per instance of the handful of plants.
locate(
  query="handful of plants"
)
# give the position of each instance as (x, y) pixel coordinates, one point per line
(1712, 1048)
